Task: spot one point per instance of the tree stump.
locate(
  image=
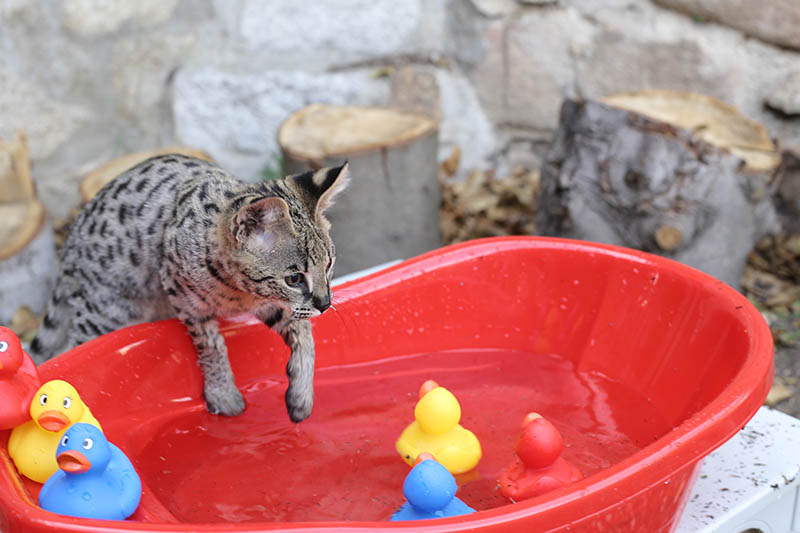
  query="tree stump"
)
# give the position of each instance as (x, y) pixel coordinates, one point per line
(677, 174)
(391, 207)
(27, 252)
(96, 179)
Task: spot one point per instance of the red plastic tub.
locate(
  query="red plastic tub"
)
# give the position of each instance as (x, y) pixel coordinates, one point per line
(643, 364)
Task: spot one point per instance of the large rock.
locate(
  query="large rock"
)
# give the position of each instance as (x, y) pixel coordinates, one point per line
(93, 18)
(338, 29)
(773, 21)
(47, 123)
(140, 71)
(618, 62)
(644, 46)
(463, 123)
(495, 8)
(448, 97)
(235, 117)
(786, 96)
(529, 67)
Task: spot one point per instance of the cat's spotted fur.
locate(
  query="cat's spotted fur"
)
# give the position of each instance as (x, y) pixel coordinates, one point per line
(177, 236)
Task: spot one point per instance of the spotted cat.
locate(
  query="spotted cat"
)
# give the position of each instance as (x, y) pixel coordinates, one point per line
(178, 236)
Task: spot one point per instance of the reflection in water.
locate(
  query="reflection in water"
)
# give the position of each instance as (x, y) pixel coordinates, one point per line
(340, 464)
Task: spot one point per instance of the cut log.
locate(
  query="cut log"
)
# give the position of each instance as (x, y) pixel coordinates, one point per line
(787, 181)
(97, 179)
(16, 183)
(677, 174)
(391, 208)
(27, 252)
(710, 120)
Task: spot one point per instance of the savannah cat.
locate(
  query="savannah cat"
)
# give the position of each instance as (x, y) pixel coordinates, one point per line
(178, 236)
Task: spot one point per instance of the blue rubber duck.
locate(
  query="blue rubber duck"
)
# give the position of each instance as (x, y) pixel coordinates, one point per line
(95, 479)
(430, 491)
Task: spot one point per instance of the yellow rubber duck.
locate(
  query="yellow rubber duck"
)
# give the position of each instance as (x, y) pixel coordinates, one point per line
(436, 431)
(32, 445)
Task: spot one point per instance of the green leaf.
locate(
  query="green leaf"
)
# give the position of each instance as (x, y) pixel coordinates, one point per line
(275, 169)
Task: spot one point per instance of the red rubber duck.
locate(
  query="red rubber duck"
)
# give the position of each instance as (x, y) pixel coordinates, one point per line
(539, 467)
(19, 380)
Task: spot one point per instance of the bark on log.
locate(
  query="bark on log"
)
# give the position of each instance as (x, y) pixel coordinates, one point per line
(391, 208)
(96, 179)
(27, 252)
(700, 195)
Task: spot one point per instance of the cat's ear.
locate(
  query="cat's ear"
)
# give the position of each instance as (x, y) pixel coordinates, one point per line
(319, 188)
(262, 221)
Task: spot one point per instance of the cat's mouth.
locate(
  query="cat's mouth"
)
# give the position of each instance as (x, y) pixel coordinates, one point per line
(305, 313)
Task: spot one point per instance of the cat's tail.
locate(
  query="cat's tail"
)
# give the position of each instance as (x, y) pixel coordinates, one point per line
(52, 337)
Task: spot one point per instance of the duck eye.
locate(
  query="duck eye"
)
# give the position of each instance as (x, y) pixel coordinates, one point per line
(3, 346)
(65, 440)
(88, 443)
(43, 399)
(294, 280)
(67, 402)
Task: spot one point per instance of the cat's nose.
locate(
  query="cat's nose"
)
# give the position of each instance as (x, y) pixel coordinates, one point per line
(322, 303)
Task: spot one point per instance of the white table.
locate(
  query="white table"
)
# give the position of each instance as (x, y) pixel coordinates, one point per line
(750, 483)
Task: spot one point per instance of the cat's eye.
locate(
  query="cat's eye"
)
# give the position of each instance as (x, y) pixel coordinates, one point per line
(65, 440)
(295, 280)
(43, 399)
(88, 443)
(3, 346)
(67, 402)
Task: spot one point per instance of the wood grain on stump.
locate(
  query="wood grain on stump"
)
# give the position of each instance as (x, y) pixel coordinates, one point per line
(27, 252)
(97, 179)
(678, 174)
(391, 208)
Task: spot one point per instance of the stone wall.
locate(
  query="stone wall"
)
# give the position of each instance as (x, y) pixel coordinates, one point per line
(89, 80)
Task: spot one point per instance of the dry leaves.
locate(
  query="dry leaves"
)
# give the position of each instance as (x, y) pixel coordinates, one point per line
(485, 206)
(778, 254)
(772, 281)
(778, 393)
(61, 227)
(25, 324)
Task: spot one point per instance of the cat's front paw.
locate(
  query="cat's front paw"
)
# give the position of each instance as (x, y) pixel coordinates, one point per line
(299, 403)
(227, 401)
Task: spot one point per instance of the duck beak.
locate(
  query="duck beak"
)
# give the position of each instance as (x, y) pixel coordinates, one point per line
(73, 462)
(424, 456)
(427, 387)
(53, 420)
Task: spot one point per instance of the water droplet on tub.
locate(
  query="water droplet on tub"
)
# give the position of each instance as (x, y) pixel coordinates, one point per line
(86, 496)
